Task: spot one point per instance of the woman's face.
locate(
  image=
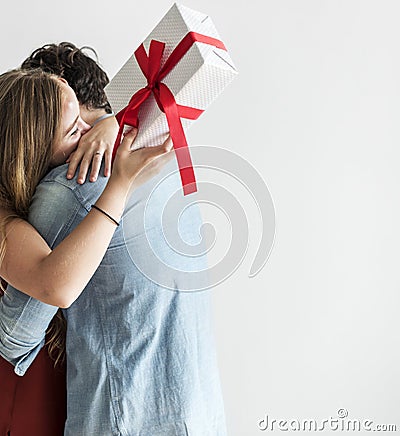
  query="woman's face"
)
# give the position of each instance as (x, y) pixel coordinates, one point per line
(72, 126)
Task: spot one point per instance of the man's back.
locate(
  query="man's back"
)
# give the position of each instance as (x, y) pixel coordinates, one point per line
(141, 358)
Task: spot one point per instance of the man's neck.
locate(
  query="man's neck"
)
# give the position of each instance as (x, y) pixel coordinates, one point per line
(91, 115)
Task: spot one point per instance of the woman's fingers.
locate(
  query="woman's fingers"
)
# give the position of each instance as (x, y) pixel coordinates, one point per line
(96, 164)
(73, 160)
(107, 162)
(83, 169)
(155, 151)
(164, 147)
(84, 160)
(128, 139)
(154, 159)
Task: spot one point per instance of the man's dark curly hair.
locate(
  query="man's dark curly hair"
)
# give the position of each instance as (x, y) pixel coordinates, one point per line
(81, 72)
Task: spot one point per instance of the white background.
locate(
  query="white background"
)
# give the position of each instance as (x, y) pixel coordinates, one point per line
(316, 110)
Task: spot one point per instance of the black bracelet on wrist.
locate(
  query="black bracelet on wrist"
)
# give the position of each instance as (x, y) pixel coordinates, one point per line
(106, 214)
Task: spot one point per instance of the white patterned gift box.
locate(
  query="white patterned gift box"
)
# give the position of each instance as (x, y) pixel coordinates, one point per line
(195, 81)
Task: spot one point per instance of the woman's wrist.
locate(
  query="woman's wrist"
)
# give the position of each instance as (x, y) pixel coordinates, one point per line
(114, 196)
(113, 220)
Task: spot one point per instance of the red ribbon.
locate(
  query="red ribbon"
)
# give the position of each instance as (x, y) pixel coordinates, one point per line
(151, 67)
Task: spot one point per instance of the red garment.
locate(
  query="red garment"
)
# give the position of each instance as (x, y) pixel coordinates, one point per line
(35, 404)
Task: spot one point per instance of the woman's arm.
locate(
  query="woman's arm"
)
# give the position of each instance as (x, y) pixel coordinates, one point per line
(58, 276)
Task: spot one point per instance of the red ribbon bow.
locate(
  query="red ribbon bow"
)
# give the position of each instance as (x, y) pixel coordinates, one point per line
(151, 67)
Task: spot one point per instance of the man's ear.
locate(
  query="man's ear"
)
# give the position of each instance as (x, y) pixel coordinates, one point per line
(62, 80)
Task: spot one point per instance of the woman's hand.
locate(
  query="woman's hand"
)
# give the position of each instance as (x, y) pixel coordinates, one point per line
(136, 167)
(97, 143)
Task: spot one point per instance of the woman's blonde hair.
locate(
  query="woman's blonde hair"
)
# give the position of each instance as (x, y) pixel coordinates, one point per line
(30, 120)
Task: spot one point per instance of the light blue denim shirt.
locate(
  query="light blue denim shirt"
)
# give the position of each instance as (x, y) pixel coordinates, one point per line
(141, 359)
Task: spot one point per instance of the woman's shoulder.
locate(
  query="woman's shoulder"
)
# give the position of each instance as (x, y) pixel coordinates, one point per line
(4, 212)
(10, 217)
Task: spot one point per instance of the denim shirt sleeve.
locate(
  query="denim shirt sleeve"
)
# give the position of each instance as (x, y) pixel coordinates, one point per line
(56, 209)
(23, 323)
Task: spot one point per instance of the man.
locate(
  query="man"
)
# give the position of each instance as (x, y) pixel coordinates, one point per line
(140, 357)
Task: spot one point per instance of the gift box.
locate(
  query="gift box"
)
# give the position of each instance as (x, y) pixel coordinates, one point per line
(172, 77)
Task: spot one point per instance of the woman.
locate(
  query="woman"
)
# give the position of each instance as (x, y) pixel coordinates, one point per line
(43, 385)
(40, 126)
